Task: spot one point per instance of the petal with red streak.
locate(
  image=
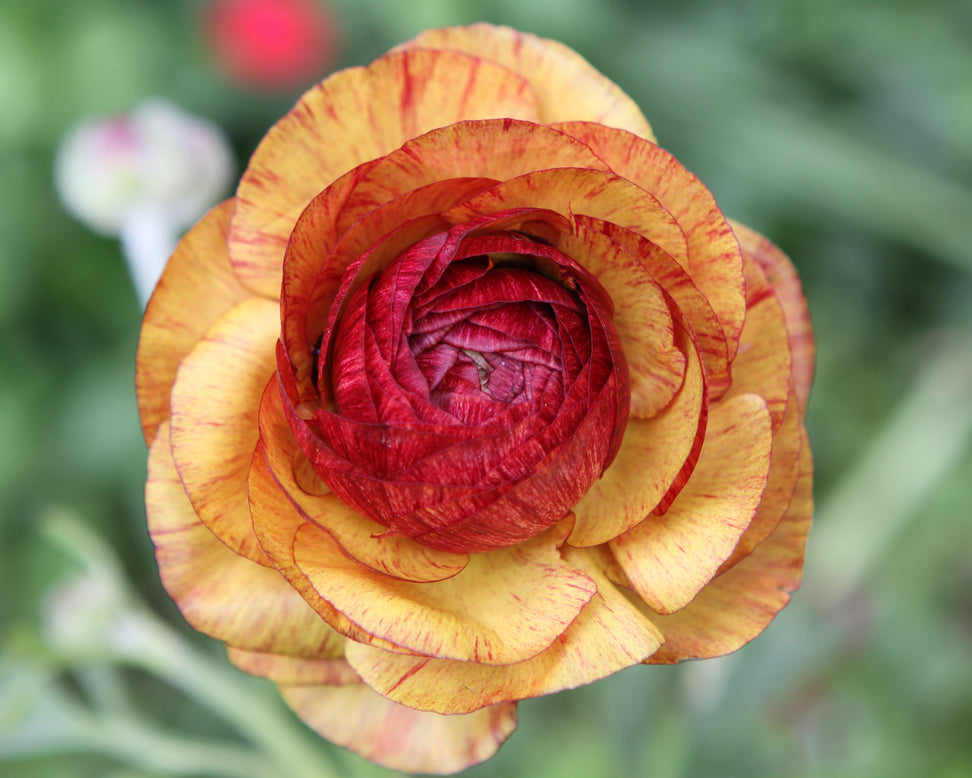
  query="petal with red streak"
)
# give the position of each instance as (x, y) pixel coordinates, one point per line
(655, 458)
(594, 193)
(497, 149)
(214, 429)
(642, 317)
(399, 738)
(762, 364)
(786, 284)
(505, 606)
(676, 281)
(276, 522)
(361, 538)
(293, 670)
(220, 593)
(714, 260)
(669, 558)
(739, 604)
(196, 288)
(783, 477)
(608, 635)
(568, 88)
(355, 116)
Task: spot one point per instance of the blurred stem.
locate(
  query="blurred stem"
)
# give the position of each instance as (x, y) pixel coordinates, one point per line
(139, 638)
(132, 742)
(903, 464)
(153, 646)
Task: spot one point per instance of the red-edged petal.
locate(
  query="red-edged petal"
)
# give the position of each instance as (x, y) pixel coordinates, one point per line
(656, 457)
(360, 537)
(789, 292)
(714, 260)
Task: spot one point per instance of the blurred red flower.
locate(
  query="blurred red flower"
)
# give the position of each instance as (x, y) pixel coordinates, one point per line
(271, 44)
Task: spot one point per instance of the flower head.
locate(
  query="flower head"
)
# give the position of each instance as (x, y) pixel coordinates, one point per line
(472, 394)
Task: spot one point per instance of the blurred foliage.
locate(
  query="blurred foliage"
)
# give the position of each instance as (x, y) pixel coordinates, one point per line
(843, 130)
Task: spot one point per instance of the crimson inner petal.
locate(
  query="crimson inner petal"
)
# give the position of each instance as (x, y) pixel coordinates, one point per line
(457, 382)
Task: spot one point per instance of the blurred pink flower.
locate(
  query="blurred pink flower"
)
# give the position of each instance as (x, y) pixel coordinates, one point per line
(143, 177)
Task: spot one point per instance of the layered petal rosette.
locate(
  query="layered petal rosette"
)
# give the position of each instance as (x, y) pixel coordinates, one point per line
(472, 394)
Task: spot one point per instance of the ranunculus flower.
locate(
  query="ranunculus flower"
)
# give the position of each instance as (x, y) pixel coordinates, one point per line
(472, 394)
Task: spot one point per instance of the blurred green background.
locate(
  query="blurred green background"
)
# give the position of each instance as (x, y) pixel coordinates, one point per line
(843, 130)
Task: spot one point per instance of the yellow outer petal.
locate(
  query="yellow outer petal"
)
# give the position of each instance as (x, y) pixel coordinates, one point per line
(786, 285)
(292, 670)
(505, 606)
(497, 149)
(197, 287)
(678, 284)
(608, 635)
(567, 86)
(714, 260)
(654, 455)
(737, 605)
(221, 594)
(783, 477)
(642, 317)
(669, 558)
(276, 522)
(215, 402)
(361, 538)
(397, 737)
(352, 117)
(762, 365)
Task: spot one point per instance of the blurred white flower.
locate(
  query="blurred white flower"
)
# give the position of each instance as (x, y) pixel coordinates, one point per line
(143, 177)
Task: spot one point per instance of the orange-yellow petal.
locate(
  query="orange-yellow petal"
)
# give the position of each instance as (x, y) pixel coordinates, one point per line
(292, 670)
(196, 288)
(352, 117)
(642, 317)
(399, 738)
(567, 86)
(655, 454)
(714, 260)
(215, 401)
(360, 537)
(497, 149)
(276, 522)
(594, 193)
(608, 635)
(669, 558)
(737, 606)
(782, 483)
(220, 593)
(676, 281)
(786, 285)
(505, 606)
(762, 364)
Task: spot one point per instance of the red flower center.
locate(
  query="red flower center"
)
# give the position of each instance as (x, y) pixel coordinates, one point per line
(471, 392)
